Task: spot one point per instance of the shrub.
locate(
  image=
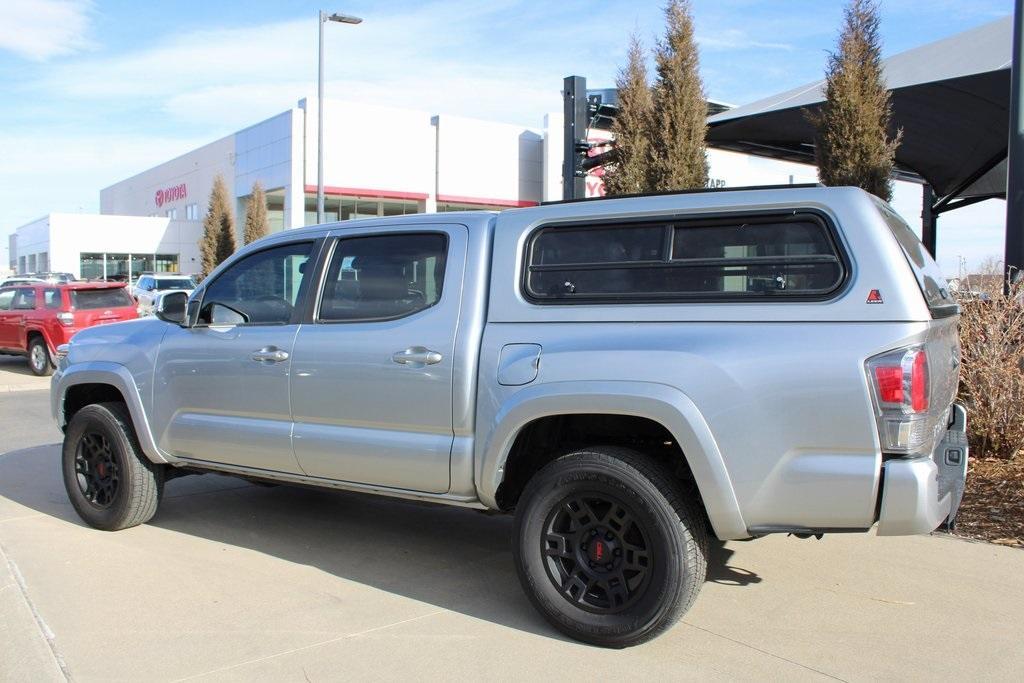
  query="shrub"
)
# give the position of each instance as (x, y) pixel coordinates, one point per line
(992, 368)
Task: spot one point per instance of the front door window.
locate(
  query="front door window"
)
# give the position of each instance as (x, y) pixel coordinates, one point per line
(261, 289)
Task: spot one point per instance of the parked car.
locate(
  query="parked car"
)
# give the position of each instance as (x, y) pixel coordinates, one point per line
(36, 318)
(149, 285)
(56, 277)
(628, 376)
(20, 280)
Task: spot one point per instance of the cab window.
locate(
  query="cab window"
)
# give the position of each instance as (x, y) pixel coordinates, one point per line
(261, 289)
(6, 299)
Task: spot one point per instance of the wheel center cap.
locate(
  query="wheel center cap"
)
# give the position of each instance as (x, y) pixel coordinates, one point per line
(599, 551)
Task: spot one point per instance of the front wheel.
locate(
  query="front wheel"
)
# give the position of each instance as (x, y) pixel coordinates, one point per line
(109, 480)
(608, 547)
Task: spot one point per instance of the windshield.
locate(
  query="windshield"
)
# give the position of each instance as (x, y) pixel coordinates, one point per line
(175, 283)
(929, 276)
(100, 298)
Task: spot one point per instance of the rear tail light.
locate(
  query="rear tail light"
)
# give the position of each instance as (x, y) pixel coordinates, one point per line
(66, 318)
(901, 392)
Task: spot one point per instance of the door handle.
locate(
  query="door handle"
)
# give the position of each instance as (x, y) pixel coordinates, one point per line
(269, 354)
(417, 356)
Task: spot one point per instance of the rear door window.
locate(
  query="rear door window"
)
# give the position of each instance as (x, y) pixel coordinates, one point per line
(100, 298)
(6, 299)
(52, 298)
(383, 277)
(717, 259)
(25, 299)
(929, 277)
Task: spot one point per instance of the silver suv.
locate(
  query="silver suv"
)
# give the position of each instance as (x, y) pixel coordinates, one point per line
(629, 376)
(149, 286)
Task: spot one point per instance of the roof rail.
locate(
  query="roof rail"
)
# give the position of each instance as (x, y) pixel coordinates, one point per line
(793, 186)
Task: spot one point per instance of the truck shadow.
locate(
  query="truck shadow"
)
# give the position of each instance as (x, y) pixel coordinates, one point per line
(453, 558)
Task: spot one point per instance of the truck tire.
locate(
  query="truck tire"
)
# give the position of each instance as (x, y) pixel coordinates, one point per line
(110, 482)
(39, 357)
(608, 548)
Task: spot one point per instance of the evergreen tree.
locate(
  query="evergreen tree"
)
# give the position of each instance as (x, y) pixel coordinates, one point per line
(256, 215)
(853, 145)
(678, 131)
(629, 171)
(218, 241)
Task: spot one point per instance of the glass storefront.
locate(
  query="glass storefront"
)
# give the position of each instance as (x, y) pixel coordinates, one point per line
(348, 208)
(124, 267)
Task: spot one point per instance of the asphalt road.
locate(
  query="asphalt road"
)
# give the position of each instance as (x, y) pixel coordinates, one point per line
(232, 581)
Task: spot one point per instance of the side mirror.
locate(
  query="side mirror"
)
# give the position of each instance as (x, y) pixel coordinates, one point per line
(170, 307)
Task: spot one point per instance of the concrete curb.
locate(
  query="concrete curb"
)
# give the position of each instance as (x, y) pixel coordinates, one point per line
(6, 388)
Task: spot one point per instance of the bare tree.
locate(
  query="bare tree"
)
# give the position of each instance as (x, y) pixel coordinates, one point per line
(629, 171)
(853, 145)
(679, 158)
(256, 225)
(218, 241)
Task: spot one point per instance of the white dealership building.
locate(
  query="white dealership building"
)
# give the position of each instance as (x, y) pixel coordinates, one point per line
(378, 161)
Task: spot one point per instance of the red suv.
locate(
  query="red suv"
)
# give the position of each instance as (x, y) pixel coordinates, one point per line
(37, 318)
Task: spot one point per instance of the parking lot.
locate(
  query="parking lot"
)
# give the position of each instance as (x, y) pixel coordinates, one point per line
(238, 582)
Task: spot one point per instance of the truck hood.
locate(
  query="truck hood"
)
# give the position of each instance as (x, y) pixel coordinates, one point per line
(123, 343)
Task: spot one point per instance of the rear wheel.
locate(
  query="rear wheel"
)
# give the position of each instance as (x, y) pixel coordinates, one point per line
(39, 357)
(110, 482)
(608, 548)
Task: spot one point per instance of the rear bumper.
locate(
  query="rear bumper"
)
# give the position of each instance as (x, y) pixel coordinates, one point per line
(920, 494)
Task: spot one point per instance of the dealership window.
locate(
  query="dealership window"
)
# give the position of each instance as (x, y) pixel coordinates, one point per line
(191, 212)
(275, 213)
(350, 208)
(43, 262)
(124, 267)
(172, 214)
(22, 265)
(140, 264)
(443, 207)
(32, 263)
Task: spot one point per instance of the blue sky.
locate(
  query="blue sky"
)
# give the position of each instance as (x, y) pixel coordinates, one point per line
(95, 91)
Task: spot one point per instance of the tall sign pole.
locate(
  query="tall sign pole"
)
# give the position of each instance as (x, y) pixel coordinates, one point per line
(1014, 254)
(320, 127)
(574, 101)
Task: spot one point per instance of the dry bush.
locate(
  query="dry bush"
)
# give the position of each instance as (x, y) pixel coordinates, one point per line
(992, 370)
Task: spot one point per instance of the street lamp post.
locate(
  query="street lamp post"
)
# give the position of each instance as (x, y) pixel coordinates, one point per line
(324, 18)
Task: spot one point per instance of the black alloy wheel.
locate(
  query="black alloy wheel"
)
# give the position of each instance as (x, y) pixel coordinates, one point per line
(96, 470)
(598, 554)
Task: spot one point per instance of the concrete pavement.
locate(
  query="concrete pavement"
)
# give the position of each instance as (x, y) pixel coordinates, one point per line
(15, 376)
(233, 581)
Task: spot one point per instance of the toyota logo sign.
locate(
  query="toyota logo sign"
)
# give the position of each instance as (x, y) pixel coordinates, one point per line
(171, 194)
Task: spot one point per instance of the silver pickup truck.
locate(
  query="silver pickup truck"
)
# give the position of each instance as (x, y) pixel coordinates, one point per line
(628, 376)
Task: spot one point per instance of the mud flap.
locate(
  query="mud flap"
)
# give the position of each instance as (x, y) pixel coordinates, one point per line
(951, 458)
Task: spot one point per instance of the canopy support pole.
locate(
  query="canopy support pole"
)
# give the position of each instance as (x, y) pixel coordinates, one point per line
(1014, 253)
(929, 219)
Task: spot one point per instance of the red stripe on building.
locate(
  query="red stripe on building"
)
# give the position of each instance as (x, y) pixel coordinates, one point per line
(364, 192)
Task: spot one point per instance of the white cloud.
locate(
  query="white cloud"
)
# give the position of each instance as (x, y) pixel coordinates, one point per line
(437, 57)
(42, 29)
(736, 39)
